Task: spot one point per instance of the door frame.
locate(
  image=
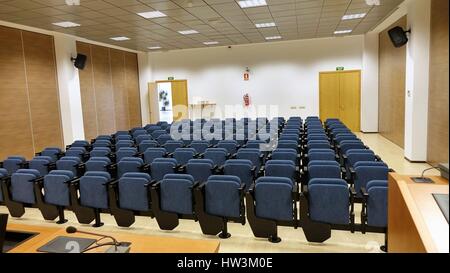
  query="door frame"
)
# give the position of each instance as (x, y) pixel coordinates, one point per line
(359, 88)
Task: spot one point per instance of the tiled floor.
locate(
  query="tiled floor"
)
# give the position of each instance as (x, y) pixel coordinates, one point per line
(242, 240)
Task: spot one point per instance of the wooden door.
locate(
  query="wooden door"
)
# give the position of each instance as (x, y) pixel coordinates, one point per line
(153, 102)
(339, 96)
(179, 100)
(329, 95)
(350, 102)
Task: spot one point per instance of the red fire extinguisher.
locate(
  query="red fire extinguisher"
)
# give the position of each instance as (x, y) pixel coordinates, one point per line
(246, 100)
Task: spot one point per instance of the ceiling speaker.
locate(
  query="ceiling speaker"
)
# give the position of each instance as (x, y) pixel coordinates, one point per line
(398, 36)
(80, 61)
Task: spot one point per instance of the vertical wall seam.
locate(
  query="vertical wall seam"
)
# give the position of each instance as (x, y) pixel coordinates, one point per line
(28, 92)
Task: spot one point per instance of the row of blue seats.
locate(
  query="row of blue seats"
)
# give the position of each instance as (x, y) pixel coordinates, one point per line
(271, 179)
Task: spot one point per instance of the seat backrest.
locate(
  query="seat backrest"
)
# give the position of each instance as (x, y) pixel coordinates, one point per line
(200, 169)
(156, 133)
(200, 146)
(97, 164)
(163, 166)
(324, 169)
(133, 194)
(125, 152)
(280, 168)
(123, 137)
(151, 128)
(172, 145)
(145, 144)
(100, 152)
(124, 144)
(241, 168)
(329, 201)
(183, 155)
(365, 174)
(52, 152)
(140, 138)
(101, 143)
(222, 196)
(68, 163)
(55, 188)
(40, 163)
(129, 164)
(152, 153)
(229, 145)
(80, 143)
(321, 154)
(22, 188)
(163, 138)
(217, 155)
(176, 194)
(254, 144)
(254, 155)
(273, 196)
(355, 157)
(288, 144)
(285, 154)
(377, 203)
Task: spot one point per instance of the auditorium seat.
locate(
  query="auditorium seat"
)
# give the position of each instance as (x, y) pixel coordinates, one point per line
(241, 168)
(129, 164)
(217, 155)
(172, 145)
(200, 169)
(13, 163)
(200, 146)
(43, 164)
(70, 163)
(145, 144)
(98, 164)
(162, 166)
(183, 155)
(130, 196)
(126, 152)
(151, 154)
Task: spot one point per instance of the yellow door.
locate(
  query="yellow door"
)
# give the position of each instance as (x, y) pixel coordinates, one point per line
(339, 95)
(350, 102)
(153, 102)
(180, 100)
(329, 95)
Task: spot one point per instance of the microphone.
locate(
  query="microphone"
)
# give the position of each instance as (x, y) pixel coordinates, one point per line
(422, 178)
(115, 243)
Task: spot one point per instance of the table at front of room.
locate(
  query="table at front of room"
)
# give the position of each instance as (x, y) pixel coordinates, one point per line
(415, 221)
(139, 243)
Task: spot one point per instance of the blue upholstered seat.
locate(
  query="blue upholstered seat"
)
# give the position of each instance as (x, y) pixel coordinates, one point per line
(217, 155)
(56, 188)
(93, 190)
(329, 201)
(133, 191)
(162, 166)
(129, 164)
(22, 185)
(280, 168)
(222, 196)
(200, 169)
(273, 197)
(241, 168)
(176, 193)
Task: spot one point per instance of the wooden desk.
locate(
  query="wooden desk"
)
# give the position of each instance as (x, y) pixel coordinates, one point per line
(139, 243)
(415, 221)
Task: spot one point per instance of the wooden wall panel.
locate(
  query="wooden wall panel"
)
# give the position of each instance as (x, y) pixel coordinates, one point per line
(392, 76)
(15, 126)
(438, 97)
(109, 90)
(88, 93)
(120, 89)
(42, 81)
(134, 101)
(104, 97)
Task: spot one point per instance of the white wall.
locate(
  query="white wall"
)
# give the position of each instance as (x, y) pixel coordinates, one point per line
(144, 79)
(369, 90)
(417, 75)
(281, 73)
(69, 89)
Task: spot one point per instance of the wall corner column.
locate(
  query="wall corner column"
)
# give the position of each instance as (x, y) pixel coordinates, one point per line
(417, 80)
(369, 83)
(69, 89)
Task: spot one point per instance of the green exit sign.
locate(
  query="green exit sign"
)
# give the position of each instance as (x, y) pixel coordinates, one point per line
(171, 78)
(339, 68)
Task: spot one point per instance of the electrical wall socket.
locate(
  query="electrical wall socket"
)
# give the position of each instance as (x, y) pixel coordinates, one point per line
(293, 107)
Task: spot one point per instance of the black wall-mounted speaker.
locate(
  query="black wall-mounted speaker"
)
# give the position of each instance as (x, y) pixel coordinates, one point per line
(80, 61)
(398, 36)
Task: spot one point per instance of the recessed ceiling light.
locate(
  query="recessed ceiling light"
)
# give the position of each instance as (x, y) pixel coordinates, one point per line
(263, 25)
(154, 47)
(273, 38)
(342, 31)
(211, 43)
(66, 24)
(252, 3)
(187, 32)
(151, 14)
(353, 16)
(120, 38)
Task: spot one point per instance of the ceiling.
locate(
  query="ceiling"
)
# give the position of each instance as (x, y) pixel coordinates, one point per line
(222, 21)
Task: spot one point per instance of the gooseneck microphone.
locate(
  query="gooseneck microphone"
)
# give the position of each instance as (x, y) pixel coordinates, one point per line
(115, 243)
